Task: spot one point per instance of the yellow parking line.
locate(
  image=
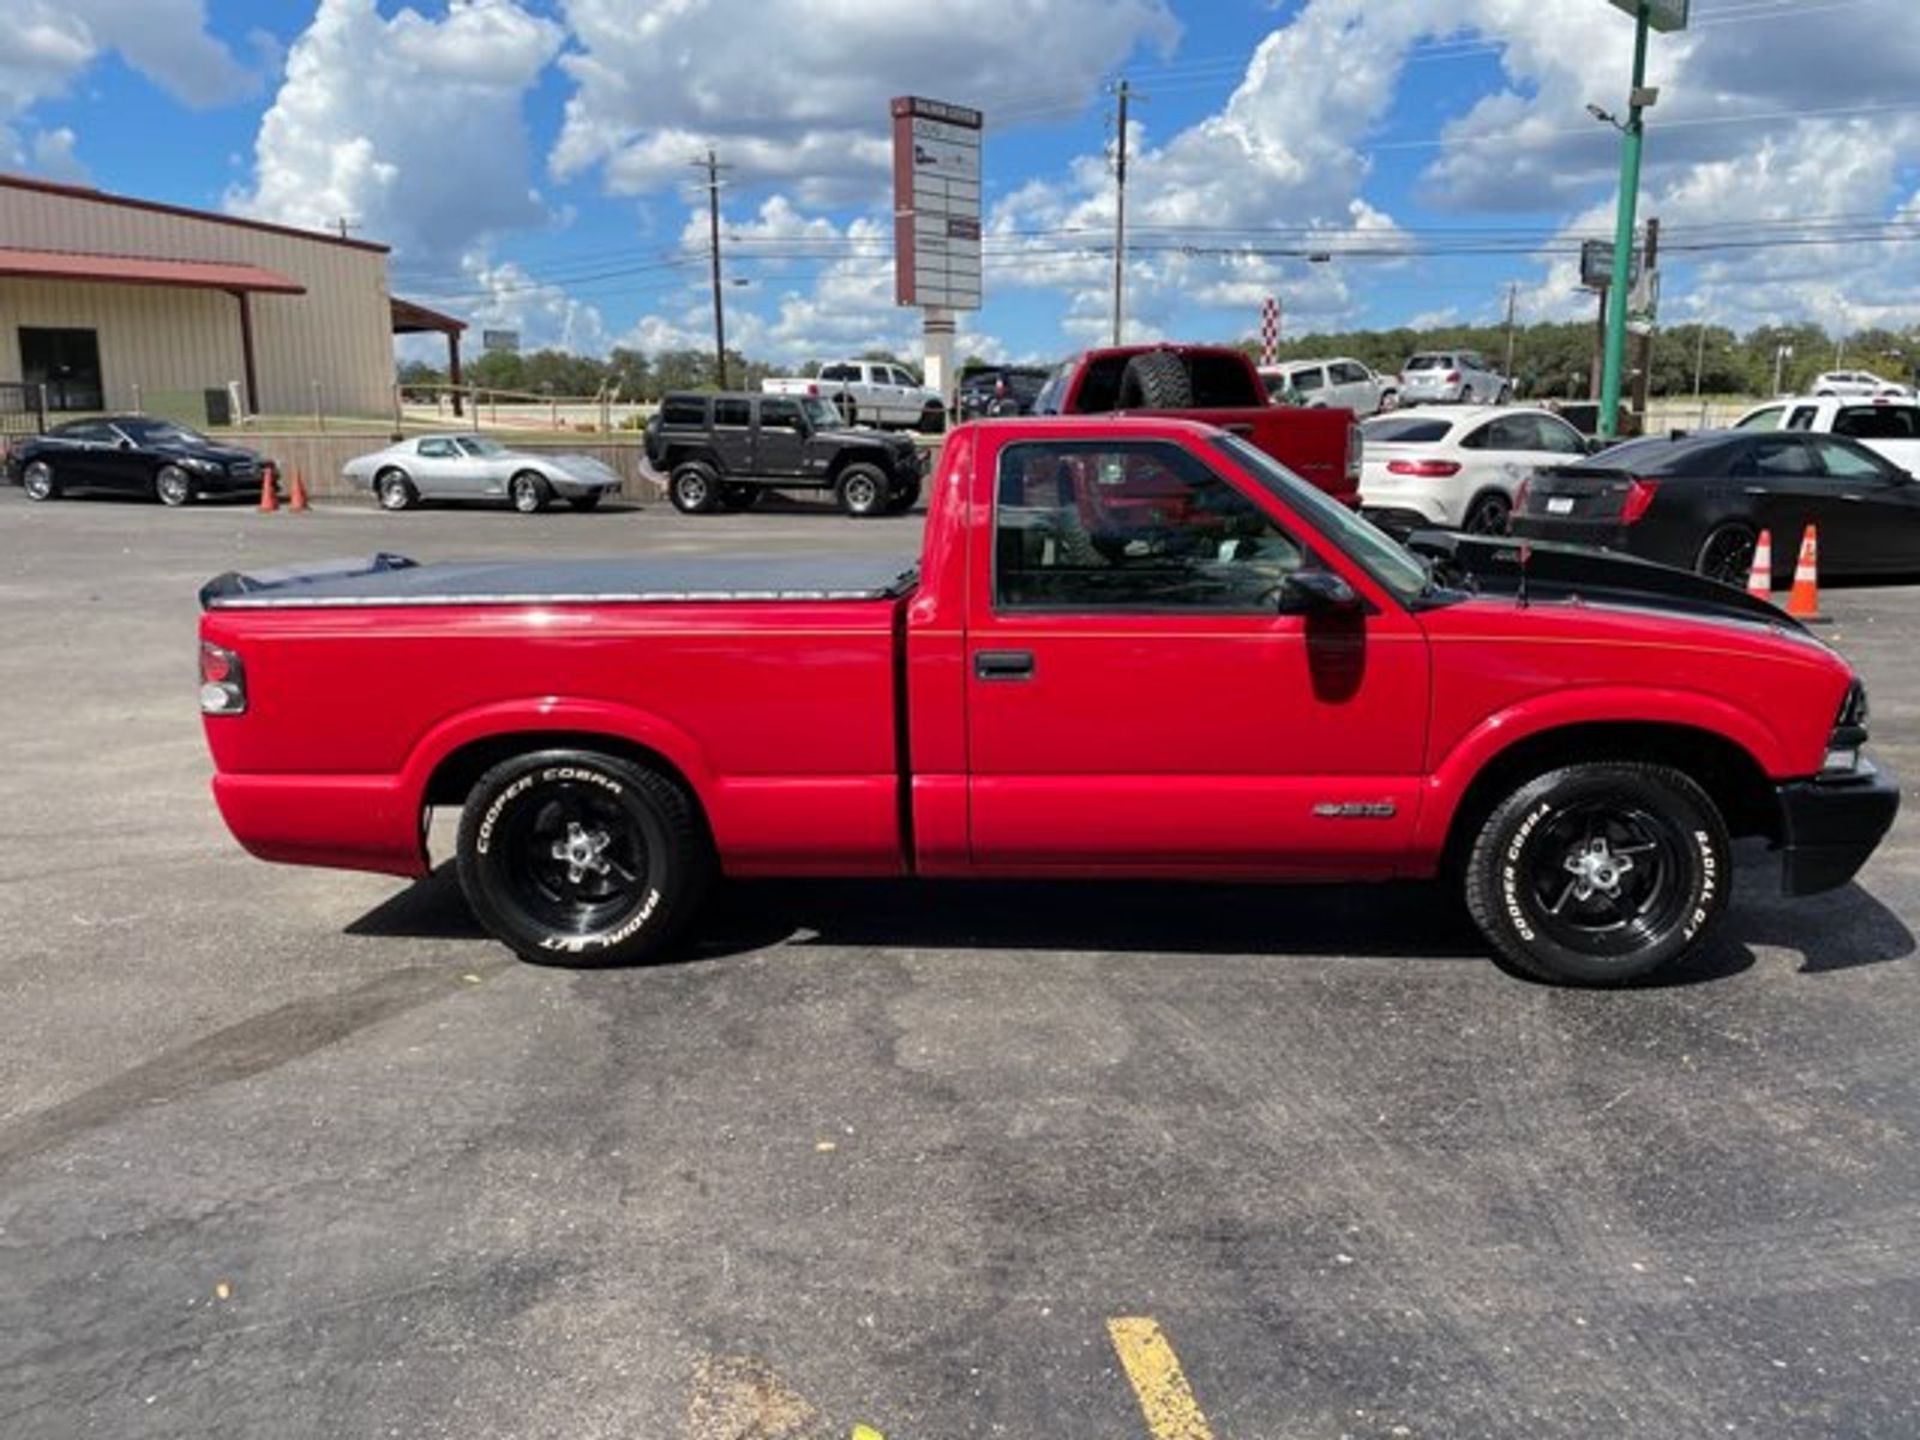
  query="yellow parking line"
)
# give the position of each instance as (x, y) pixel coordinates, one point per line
(1166, 1400)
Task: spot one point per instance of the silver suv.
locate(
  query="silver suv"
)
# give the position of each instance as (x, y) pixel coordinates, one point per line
(1458, 377)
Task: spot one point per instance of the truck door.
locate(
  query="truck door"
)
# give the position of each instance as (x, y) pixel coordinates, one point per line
(780, 440)
(1137, 703)
(733, 433)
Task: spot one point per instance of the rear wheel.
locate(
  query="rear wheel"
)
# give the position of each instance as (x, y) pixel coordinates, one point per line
(394, 490)
(1726, 554)
(528, 492)
(1600, 873)
(694, 488)
(37, 479)
(1488, 515)
(172, 486)
(571, 857)
(861, 490)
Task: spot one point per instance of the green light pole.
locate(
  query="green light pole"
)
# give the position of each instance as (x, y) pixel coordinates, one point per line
(1662, 15)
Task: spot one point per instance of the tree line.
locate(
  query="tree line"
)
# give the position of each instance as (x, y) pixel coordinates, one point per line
(1549, 360)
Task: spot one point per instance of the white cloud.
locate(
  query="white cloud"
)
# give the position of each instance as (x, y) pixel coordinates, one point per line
(48, 46)
(410, 127)
(53, 156)
(799, 93)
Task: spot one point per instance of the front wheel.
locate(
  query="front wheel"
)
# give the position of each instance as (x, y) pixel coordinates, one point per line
(861, 490)
(172, 486)
(693, 488)
(528, 492)
(38, 481)
(1600, 873)
(571, 857)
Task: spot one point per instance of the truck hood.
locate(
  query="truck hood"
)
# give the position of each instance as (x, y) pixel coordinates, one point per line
(1544, 571)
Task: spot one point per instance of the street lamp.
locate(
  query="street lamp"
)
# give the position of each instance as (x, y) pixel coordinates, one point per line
(1665, 16)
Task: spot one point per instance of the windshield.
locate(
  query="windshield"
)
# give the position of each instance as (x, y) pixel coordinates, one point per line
(1362, 542)
(162, 432)
(821, 412)
(483, 449)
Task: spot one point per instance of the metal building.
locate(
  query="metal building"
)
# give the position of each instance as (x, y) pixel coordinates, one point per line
(114, 303)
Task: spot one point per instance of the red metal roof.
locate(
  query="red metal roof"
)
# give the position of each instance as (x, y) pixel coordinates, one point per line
(138, 270)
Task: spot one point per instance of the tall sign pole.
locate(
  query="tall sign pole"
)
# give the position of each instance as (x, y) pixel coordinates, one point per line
(1648, 15)
(936, 223)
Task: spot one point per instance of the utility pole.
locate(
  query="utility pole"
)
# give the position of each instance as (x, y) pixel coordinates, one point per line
(1513, 297)
(1699, 356)
(1648, 271)
(713, 168)
(1120, 216)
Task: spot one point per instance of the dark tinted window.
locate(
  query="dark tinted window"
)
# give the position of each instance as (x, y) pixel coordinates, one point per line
(684, 410)
(732, 410)
(1118, 525)
(840, 372)
(1878, 422)
(91, 431)
(1223, 382)
(1311, 378)
(1406, 430)
(1782, 455)
(780, 414)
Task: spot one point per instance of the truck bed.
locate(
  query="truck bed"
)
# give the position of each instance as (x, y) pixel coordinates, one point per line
(395, 580)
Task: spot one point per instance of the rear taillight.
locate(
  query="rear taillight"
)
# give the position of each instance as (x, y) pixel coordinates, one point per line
(1424, 469)
(813, 389)
(1453, 377)
(1640, 495)
(223, 681)
(1356, 452)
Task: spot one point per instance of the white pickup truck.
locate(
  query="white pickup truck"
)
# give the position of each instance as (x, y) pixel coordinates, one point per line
(1883, 423)
(870, 392)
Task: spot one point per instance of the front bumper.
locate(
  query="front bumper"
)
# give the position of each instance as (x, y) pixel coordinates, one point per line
(1831, 826)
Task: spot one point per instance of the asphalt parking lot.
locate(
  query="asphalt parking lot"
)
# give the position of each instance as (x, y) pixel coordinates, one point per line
(295, 1153)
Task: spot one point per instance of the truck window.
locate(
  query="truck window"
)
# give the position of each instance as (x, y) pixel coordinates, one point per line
(684, 410)
(1308, 380)
(780, 415)
(733, 410)
(1801, 417)
(840, 372)
(1764, 419)
(1053, 395)
(1130, 526)
(1878, 422)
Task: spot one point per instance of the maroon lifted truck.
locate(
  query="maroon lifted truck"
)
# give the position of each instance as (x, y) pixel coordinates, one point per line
(1215, 385)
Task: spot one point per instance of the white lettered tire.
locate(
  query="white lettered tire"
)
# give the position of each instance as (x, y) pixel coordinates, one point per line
(572, 857)
(1600, 873)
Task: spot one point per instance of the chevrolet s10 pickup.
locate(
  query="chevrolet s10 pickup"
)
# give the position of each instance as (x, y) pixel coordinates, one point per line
(1130, 648)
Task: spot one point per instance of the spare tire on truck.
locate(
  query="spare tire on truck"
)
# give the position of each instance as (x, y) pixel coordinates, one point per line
(1156, 380)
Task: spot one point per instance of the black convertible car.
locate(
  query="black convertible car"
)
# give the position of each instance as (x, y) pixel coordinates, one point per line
(131, 455)
(1700, 502)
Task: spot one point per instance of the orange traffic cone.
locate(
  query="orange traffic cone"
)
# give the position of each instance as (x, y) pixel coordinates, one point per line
(269, 498)
(299, 498)
(1760, 578)
(1804, 603)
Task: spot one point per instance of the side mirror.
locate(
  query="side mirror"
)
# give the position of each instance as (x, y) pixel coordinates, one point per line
(1595, 444)
(1316, 592)
(124, 445)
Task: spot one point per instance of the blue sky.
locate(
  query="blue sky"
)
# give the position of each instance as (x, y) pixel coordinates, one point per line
(526, 158)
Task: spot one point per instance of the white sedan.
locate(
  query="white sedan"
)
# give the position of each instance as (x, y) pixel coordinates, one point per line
(1458, 469)
(467, 467)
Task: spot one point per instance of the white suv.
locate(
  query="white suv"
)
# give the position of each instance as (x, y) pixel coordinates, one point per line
(1857, 382)
(1332, 383)
(1459, 377)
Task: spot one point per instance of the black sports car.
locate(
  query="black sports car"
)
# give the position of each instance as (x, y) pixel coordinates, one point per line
(132, 455)
(1700, 502)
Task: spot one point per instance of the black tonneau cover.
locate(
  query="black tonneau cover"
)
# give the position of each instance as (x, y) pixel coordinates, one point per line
(385, 579)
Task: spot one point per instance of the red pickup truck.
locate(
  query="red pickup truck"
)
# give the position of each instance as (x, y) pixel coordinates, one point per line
(1215, 385)
(1132, 648)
